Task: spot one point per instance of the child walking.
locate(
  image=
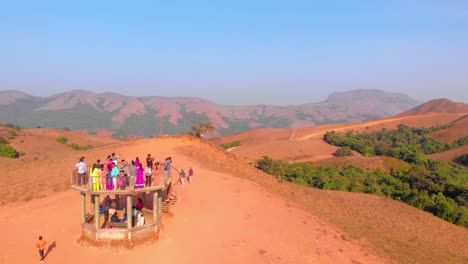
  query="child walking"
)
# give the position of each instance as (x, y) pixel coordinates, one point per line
(41, 244)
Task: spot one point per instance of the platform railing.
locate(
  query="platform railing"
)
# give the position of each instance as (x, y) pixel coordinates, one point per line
(94, 183)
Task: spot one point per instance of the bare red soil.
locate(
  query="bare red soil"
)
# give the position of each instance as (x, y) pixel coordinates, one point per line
(220, 218)
(458, 129)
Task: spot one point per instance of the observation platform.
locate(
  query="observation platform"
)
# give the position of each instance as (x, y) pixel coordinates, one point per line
(97, 228)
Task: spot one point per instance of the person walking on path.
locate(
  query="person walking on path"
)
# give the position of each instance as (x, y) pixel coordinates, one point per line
(182, 177)
(190, 175)
(41, 244)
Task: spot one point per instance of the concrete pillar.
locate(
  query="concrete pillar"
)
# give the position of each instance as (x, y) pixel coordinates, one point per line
(117, 201)
(155, 206)
(97, 218)
(160, 197)
(143, 198)
(83, 207)
(129, 211)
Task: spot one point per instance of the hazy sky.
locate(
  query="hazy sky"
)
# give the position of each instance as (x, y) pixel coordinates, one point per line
(236, 52)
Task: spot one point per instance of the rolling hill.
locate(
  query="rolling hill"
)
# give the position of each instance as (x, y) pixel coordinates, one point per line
(437, 106)
(306, 144)
(241, 213)
(120, 116)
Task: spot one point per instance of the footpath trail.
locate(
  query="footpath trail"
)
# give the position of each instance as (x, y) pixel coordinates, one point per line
(346, 127)
(217, 219)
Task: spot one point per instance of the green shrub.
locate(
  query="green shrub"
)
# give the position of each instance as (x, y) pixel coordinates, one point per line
(8, 151)
(232, 144)
(434, 186)
(3, 141)
(79, 147)
(12, 135)
(463, 159)
(62, 140)
(66, 129)
(343, 151)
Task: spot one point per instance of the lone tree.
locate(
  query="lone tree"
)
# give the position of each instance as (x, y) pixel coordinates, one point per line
(200, 128)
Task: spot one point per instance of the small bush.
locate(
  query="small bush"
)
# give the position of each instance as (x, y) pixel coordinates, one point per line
(79, 147)
(343, 151)
(66, 129)
(232, 144)
(3, 141)
(62, 140)
(8, 151)
(463, 159)
(12, 134)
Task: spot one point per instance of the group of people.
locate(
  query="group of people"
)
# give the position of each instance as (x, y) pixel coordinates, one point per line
(114, 175)
(109, 208)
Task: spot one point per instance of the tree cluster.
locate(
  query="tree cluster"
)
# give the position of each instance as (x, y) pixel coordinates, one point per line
(438, 187)
(405, 143)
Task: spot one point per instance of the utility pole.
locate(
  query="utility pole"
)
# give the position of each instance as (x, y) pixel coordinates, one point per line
(161, 122)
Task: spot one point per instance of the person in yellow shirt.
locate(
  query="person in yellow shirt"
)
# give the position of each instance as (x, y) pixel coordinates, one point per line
(41, 244)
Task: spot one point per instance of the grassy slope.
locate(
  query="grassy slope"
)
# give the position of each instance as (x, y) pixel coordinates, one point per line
(392, 229)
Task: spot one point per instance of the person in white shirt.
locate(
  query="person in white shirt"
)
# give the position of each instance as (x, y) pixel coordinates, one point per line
(148, 176)
(140, 219)
(80, 168)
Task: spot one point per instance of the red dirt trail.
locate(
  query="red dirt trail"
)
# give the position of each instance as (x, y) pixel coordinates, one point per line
(217, 219)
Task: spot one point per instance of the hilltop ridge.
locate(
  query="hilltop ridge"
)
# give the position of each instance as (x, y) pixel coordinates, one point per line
(123, 115)
(442, 105)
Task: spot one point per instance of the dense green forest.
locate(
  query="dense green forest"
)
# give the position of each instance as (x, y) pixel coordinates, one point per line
(434, 186)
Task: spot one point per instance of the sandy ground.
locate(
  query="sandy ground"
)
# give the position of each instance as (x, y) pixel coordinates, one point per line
(217, 219)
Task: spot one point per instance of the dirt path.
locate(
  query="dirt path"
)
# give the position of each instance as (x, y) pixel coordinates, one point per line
(218, 219)
(371, 123)
(242, 225)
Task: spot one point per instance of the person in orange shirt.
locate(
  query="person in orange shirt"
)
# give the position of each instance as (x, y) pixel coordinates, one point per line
(41, 244)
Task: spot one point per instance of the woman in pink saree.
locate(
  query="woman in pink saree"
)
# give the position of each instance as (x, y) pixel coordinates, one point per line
(140, 182)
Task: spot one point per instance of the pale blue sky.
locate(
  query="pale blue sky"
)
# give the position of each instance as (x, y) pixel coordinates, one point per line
(236, 52)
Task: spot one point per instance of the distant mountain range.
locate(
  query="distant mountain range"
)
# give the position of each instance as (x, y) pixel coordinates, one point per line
(120, 115)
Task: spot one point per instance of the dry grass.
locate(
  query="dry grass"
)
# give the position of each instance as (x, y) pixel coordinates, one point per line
(393, 230)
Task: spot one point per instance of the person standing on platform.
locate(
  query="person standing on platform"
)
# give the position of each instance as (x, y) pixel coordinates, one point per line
(148, 176)
(149, 161)
(132, 171)
(80, 168)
